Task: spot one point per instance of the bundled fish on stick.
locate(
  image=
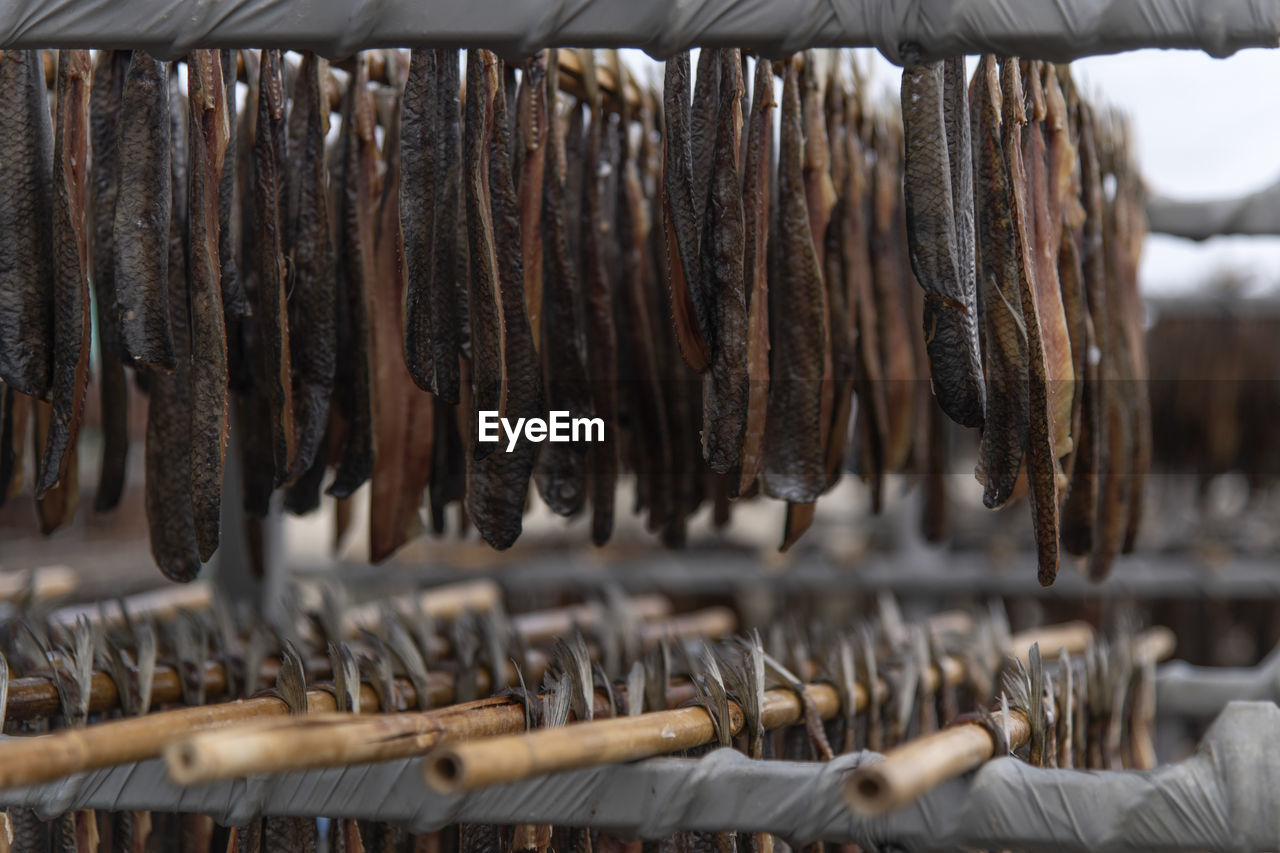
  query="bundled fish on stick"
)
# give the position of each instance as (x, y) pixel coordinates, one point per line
(409, 302)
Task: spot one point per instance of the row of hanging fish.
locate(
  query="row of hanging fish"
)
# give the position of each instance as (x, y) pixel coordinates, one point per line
(735, 309)
(1024, 216)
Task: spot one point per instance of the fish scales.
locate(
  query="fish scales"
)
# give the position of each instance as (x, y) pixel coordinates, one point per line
(70, 268)
(938, 191)
(499, 484)
(144, 205)
(793, 452)
(210, 134)
(726, 387)
(26, 225)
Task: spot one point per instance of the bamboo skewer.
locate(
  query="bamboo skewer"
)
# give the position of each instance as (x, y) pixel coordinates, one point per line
(43, 758)
(44, 583)
(475, 764)
(917, 767)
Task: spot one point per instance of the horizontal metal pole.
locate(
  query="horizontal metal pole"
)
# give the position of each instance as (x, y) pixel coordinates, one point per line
(1057, 30)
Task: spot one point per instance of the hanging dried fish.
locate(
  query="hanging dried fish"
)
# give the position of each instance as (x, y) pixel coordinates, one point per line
(26, 225)
(105, 97)
(403, 416)
(70, 269)
(533, 120)
(210, 136)
(1004, 432)
(725, 388)
(756, 206)
(1041, 463)
(428, 208)
(484, 310)
(938, 186)
(793, 450)
(270, 307)
(499, 484)
(357, 203)
(560, 474)
(681, 203)
(143, 207)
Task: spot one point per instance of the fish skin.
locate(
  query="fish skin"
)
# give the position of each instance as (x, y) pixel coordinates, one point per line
(484, 310)
(26, 225)
(429, 197)
(403, 417)
(690, 315)
(143, 209)
(313, 297)
(105, 101)
(70, 268)
(210, 134)
(356, 206)
(1004, 433)
(499, 484)
(168, 452)
(270, 306)
(837, 254)
(533, 121)
(234, 304)
(59, 504)
(756, 204)
(793, 451)
(725, 386)
(560, 473)
(15, 415)
(1041, 463)
(105, 96)
(938, 187)
(598, 228)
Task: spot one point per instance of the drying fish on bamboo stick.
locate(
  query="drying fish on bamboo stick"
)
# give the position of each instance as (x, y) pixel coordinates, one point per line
(309, 249)
(71, 321)
(26, 225)
(210, 137)
(793, 452)
(1040, 460)
(938, 185)
(756, 207)
(357, 192)
(143, 206)
(560, 473)
(403, 417)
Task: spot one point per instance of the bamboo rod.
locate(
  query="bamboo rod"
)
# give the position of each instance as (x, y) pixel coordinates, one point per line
(466, 766)
(43, 758)
(44, 583)
(913, 769)
(159, 604)
(328, 740)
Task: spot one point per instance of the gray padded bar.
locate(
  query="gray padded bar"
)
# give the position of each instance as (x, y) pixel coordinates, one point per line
(904, 31)
(1222, 798)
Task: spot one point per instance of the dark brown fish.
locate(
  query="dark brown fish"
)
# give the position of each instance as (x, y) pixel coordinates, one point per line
(756, 205)
(725, 387)
(431, 141)
(58, 504)
(484, 309)
(403, 417)
(26, 225)
(499, 484)
(168, 454)
(313, 296)
(15, 415)
(105, 96)
(143, 208)
(357, 206)
(837, 255)
(1004, 432)
(270, 306)
(560, 473)
(793, 450)
(234, 304)
(533, 120)
(210, 136)
(70, 268)
(598, 230)
(938, 187)
(1041, 463)
(690, 315)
